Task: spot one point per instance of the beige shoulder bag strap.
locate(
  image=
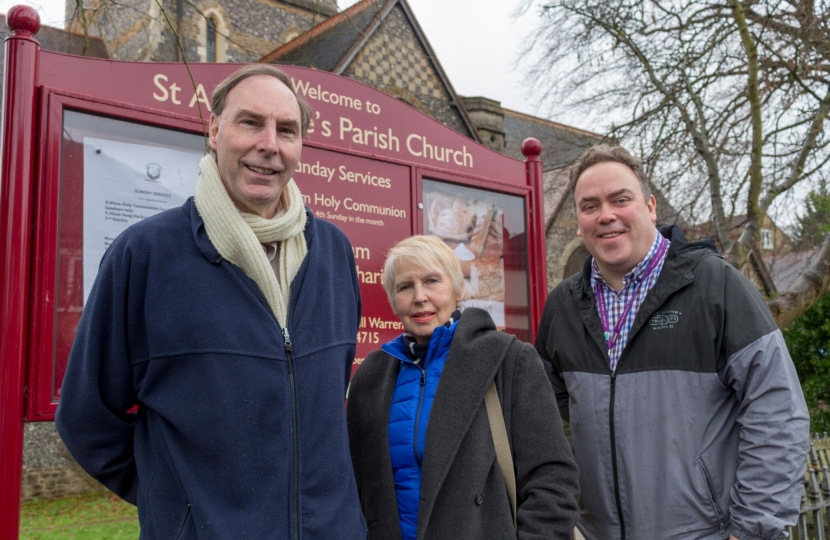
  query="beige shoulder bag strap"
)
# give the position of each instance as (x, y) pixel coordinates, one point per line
(499, 431)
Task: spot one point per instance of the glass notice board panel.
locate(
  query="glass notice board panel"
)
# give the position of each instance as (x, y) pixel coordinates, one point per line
(113, 173)
(487, 231)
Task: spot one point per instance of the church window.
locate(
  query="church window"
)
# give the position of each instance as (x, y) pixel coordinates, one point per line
(211, 40)
(213, 35)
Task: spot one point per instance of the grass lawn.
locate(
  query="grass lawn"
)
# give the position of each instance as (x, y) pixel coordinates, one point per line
(86, 517)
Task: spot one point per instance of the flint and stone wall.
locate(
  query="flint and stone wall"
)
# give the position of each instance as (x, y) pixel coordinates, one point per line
(138, 29)
(49, 472)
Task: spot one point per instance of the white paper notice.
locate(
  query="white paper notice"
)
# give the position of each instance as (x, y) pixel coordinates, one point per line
(125, 183)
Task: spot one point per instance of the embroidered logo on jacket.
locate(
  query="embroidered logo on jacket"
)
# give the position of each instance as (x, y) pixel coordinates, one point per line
(664, 319)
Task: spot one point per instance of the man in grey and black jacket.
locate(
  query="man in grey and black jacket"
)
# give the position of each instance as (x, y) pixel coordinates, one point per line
(687, 416)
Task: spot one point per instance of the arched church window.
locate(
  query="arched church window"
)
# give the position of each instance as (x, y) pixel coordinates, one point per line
(211, 40)
(213, 32)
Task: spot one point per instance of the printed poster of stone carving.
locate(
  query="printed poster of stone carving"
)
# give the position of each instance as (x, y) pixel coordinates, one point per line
(473, 227)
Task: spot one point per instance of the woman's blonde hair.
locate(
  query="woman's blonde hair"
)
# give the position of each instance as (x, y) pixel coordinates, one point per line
(427, 252)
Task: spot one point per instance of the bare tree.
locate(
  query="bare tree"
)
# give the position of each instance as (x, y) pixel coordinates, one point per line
(726, 101)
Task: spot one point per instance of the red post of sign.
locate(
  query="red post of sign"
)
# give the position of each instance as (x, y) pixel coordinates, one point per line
(532, 149)
(16, 193)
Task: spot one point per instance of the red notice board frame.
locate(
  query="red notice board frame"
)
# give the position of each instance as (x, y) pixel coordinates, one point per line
(53, 103)
(40, 86)
(496, 186)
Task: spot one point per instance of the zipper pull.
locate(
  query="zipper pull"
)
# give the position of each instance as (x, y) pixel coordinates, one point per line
(287, 339)
(423, 376)
(613, 379)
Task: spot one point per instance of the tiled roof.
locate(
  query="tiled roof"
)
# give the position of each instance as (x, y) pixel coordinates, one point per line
(333, 44)
(325, 45)
(561, 144)
(59, 40)
(666, 213)
(785, 269)
(557, 184)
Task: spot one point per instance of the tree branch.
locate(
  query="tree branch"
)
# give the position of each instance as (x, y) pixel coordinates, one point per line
(739, 250)
(797, 169)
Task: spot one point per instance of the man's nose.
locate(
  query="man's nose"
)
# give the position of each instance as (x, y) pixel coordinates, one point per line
(606, 214)
(268, 141)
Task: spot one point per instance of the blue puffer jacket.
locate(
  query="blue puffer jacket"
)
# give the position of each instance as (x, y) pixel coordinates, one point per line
(234, 437)
(408, 417)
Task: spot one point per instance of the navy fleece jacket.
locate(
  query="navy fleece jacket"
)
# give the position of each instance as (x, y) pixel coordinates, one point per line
(232, 438)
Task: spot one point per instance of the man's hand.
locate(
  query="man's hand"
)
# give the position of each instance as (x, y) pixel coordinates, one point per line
(732, 537)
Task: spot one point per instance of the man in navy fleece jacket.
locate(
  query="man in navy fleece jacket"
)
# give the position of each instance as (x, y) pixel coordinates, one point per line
(231, 323)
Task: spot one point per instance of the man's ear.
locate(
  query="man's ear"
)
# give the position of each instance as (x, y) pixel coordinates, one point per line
(213, 130)
(652, 208)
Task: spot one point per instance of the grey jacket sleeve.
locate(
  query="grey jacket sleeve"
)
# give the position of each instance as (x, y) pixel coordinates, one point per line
(773, 418)
(541, 344)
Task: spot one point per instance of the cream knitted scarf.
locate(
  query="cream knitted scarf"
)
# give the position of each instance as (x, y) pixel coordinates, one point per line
(238, 236)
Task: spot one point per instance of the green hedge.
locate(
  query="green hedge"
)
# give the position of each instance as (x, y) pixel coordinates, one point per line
(808, 340)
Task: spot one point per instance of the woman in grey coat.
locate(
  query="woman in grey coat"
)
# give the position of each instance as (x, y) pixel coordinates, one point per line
(420, 438)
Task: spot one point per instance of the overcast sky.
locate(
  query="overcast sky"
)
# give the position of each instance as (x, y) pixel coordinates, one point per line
(476, 41)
